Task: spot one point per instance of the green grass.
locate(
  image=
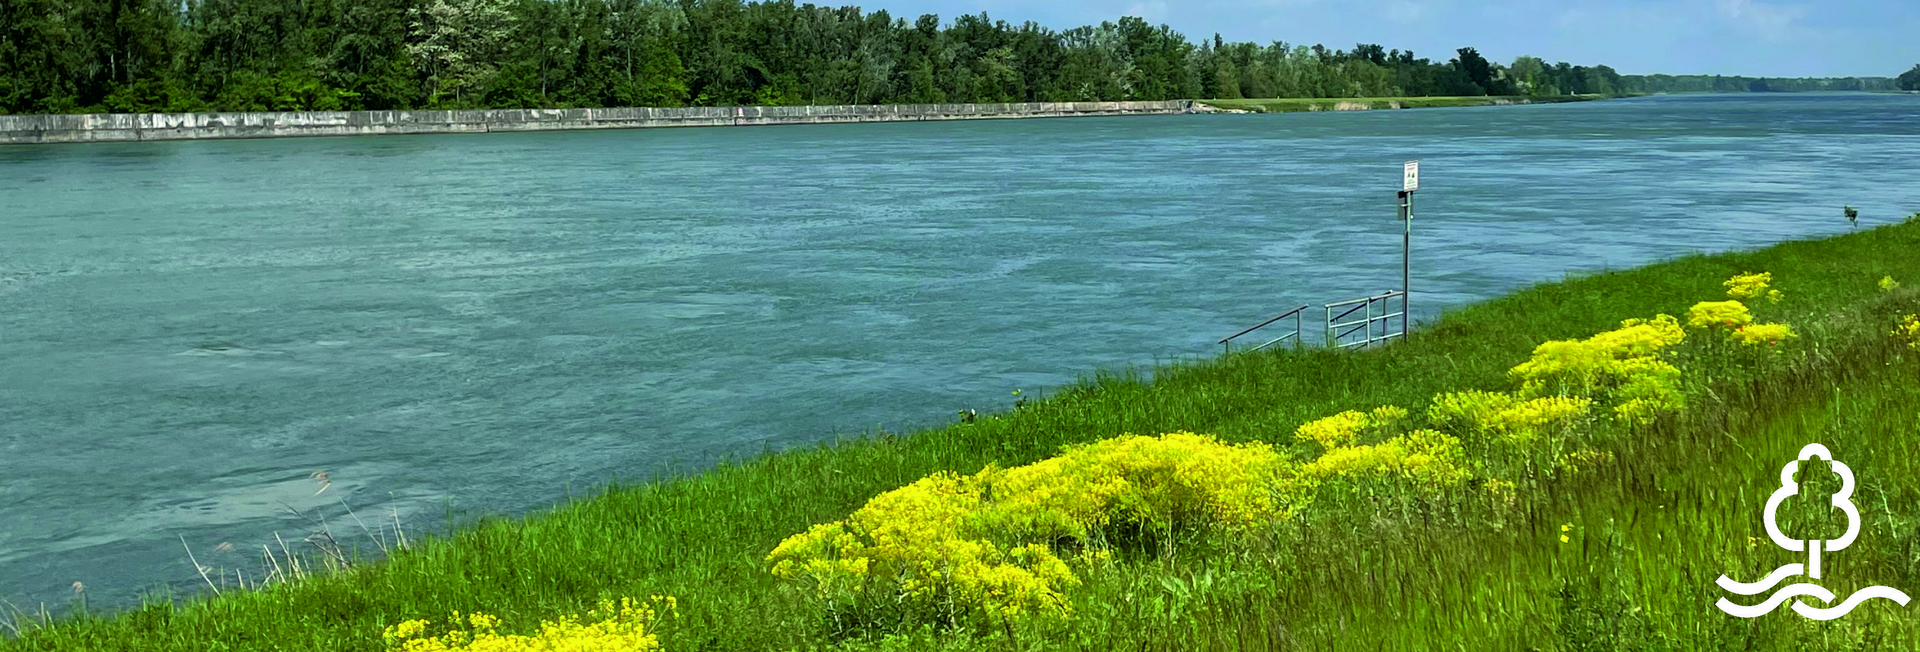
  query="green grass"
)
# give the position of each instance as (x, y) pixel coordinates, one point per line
(1411, 586)
(1295, 104)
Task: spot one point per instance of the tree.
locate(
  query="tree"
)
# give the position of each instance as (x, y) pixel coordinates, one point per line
(1910, 80)
(179, 55)
(458, 46)
(1476, 71)
(1529, 75)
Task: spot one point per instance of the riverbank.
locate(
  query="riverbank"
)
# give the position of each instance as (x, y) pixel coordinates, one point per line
(704, 539)
(33, 129)
(1295, 104)
(123, 127)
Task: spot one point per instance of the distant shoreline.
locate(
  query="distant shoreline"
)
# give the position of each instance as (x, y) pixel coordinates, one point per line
(126, 127)
(1298, 105)
(137, 127)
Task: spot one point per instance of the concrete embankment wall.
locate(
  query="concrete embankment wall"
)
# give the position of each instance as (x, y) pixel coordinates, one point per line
(191, 126)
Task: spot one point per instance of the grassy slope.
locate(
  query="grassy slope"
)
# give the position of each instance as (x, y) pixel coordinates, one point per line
(702, 538)
(1294, 104)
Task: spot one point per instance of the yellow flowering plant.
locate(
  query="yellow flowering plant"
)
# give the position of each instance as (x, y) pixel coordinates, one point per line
(951, 548)
(625, 626)
(1888, 284)
(1762, 334)
(1350, 427)
(1719, 314)
(1623, 366)
(1749, 285)
(1909, 331)
(1430, 459)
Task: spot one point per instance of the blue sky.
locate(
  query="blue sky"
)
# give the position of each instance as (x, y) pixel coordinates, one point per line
(1779, 38)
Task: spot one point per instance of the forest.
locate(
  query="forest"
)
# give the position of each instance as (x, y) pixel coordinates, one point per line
(97, 56)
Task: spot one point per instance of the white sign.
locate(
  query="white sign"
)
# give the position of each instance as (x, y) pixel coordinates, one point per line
(1411, 181)
(1813, 548)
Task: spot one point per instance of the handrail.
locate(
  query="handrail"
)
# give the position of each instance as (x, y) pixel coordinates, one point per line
(1384, 295)
(1294, 313)
(1338, 329)
(1363, 302)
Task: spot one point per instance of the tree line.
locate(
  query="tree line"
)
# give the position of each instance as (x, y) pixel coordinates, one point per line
(1736, 84)
(83, 56)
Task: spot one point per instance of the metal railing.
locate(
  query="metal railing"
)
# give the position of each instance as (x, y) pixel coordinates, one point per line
(1339, 333)
(1295, 335)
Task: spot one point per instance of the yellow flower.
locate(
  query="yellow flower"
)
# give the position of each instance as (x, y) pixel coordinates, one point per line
(1620, 365)
(1465, 413)
(1758, 334)
(1334, 431)
(1719, 314)
(623, 626)
(1749, 286)
(1887, 283)
(1564, 539)
(1909, 330)
(1566, 527)
(981, 542)
(1430, 459)
(1345, 428)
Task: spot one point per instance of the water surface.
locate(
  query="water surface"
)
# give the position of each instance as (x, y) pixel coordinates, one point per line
(465, 324)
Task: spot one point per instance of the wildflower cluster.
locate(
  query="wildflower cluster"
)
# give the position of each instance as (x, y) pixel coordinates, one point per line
(1753, 286)
(952, 547)
(613, 626)
(1429, 459)
(1508, 417)
(1759, 334)
(1347, 428)
(1622, 366)
(1735, 319)
(1719, 314)
(1909, 331)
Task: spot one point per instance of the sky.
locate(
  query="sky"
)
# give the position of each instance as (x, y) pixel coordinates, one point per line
(1772, 38)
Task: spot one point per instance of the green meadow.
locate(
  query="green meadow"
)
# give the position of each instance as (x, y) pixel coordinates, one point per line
(1619, 551)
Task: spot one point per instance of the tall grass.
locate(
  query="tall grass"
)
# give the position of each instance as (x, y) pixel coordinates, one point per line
(1649, 535)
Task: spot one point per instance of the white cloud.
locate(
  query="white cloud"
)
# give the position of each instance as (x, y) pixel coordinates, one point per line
(1770, 21)
(1149, 10)
(1406, 11)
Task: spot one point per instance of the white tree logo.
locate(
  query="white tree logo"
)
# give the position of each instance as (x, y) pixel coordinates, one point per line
(1842, 499)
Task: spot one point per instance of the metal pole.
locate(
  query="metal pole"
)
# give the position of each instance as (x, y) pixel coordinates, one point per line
(1406, 263)
(1370, 323)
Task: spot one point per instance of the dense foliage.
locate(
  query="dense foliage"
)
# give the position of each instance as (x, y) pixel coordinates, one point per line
(62, 56)
(1910, 80)
(1737, 84)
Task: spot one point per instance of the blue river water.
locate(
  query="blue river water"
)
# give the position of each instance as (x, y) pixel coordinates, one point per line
(197, 338)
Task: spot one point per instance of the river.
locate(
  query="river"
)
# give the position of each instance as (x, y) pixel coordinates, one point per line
(444, 326)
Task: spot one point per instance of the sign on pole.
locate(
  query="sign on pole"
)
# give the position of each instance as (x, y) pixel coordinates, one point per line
(1411, 181)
